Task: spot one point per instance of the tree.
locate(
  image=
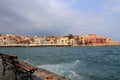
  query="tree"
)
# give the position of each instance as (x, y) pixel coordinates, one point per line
(70, 36)
(0, 34)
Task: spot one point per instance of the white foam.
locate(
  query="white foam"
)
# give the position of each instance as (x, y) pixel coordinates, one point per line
(64, 69)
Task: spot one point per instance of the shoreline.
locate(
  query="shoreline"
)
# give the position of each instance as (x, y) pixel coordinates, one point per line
(53, 45)
(57, 46)
(45, 45)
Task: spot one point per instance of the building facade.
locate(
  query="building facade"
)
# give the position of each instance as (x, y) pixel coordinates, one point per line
(92, 39)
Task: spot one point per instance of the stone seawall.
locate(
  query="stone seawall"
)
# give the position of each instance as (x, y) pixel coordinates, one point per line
(40, 74)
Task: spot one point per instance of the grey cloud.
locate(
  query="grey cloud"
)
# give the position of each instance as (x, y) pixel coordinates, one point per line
(46, 17)
(26, 17)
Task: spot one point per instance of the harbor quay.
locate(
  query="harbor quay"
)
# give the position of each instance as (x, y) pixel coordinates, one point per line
(40, 74)
(34, 45)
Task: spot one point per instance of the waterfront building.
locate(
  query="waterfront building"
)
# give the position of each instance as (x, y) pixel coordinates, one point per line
(1, 40)
(51, 40)
(9, 39)
(92, 39)
(70, 39)
(112, 42)
(34, 40)
(62, 40)
(76, 40)
(67, 41)
(42, 40)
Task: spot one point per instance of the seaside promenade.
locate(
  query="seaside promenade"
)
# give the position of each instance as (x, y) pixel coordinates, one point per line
(40, 74)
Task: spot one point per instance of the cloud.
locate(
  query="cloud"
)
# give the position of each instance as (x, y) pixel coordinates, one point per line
(59, 17)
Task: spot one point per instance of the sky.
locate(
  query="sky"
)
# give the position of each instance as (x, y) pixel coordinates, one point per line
(60, 17)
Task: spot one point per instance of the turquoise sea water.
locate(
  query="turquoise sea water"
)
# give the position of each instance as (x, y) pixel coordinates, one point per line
(76, 63)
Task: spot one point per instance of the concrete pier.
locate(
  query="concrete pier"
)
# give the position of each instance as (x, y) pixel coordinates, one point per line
(40, 74)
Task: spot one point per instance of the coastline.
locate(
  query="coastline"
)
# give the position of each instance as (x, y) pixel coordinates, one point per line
(56, 41)
(55, 45)
(45, 45)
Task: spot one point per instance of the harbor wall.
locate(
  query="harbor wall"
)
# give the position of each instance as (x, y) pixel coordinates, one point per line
(40, 74)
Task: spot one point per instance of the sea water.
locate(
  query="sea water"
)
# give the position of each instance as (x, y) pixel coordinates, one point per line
(75, 63)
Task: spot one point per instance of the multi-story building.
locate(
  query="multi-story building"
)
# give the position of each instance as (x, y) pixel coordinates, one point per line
(67, 40)
(62, 40)
(9, 39)
(92, 39)
(34, 40)
(1, 40)
(50, 40)
(112, 42)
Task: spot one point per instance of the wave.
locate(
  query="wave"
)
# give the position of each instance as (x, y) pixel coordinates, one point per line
(64, 69)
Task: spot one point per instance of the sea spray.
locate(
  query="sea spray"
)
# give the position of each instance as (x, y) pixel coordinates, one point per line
(64, 69)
